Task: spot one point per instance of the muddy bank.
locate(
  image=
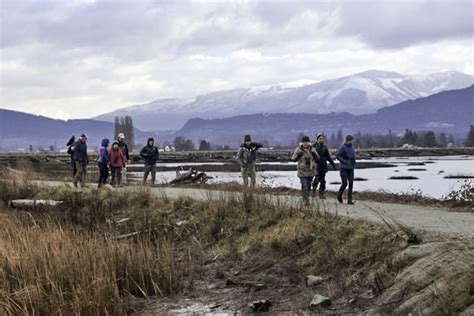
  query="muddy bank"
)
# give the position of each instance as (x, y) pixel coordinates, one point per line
(265, 155)
(58, 166)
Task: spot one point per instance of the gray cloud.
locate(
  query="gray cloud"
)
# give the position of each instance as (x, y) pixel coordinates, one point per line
(94, 56)
(396, 24)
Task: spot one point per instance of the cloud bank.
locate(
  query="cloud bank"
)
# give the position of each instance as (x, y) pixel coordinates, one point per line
(69, 59)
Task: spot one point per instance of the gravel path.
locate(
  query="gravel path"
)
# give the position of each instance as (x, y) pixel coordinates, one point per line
(427, 218)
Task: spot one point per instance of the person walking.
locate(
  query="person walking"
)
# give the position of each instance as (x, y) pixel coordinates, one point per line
(322, 168)
(103, 162)
(124, 148)
(307, 157)
(116, 163)
(70, 152)
(246, 157)
(347, 160)
(151, 155)
(81, 160)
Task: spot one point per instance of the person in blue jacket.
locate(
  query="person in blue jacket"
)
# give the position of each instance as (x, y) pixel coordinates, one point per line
(103, 162)
(347, 160)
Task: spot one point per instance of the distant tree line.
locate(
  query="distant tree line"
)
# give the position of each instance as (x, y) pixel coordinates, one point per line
(391, 140)
(334, 140)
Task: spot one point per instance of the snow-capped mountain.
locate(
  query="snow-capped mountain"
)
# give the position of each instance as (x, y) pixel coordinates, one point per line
(360, 93)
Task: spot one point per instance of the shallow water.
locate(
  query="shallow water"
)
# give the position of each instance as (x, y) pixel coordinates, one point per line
(430, 182)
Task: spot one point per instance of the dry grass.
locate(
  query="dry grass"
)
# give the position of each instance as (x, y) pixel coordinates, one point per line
(14, 184)
(67, 261)
(54, 270)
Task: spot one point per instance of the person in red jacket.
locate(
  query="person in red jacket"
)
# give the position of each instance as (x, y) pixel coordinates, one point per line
(116, 163)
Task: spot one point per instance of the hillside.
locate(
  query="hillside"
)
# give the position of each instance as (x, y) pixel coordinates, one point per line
(19, 130)
(449, 111)
(360, 93)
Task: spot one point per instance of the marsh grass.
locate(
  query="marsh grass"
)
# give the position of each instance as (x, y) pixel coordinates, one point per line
(69, 260)
(53, 270)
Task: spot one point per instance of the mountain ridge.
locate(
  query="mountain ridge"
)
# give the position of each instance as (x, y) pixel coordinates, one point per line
(448, 111)
(359, 93)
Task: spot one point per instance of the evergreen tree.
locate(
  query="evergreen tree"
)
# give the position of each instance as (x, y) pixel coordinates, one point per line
(469, 142)
(408, 138)
(117, 127)
(390, 139)
(332, 141)
(204, 145)
(442, 140)
(130, 131)
(429, 139)
(339, 138)
(183, 144)
(451, 139)
(125, 125)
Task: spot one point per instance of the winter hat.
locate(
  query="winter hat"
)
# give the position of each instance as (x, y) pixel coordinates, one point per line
(121, 136)
(305, 139)
(319, 135)
(83, 135)
(349, 138)
(150, 139)
(247, 138)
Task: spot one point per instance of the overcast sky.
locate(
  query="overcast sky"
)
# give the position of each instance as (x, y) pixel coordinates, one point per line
(74, 58)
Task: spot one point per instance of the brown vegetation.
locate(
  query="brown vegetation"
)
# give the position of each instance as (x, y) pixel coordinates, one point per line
(101, 250)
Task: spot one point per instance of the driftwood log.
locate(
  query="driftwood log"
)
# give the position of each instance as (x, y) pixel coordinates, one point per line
(190, 176)
(33, 203)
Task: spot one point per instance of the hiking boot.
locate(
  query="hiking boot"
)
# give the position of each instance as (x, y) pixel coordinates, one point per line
(321, 196)
(339, 198)
(350, 202)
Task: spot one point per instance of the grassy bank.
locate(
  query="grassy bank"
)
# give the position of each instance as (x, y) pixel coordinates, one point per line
(106, 252)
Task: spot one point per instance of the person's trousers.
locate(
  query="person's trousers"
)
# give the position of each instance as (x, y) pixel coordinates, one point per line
(347, 177)
(249, 173)
(116, 176)
(81, 173)
(306, 187)
(74, 169)
(103, 173)
(150, 169)
(320, 179)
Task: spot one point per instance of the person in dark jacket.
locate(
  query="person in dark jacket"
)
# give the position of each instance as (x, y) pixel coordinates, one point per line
(322, 168)
(103, 162)
(307, 158)
(123, 145)
(70, 152)
(81, 160)
(124, 148)
(116, 163)
(151, 155)
(246, 157)
(347, 160)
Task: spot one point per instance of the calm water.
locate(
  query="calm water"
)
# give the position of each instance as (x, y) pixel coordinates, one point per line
(431, 182)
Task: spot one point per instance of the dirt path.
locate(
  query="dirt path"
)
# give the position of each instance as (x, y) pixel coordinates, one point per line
(426, 218)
